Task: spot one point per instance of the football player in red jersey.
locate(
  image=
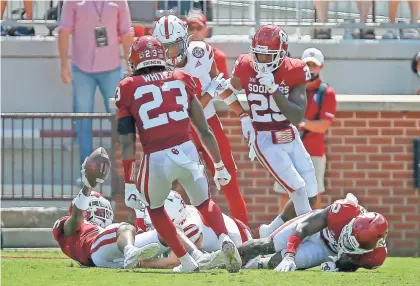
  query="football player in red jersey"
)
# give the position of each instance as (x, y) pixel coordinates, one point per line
(198, 59)
(276, 93)
(162, 104)
(88, 237)
(341, 237)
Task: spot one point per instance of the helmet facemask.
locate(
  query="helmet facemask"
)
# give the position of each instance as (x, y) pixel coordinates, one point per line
(278, 57)
(347, 243)
(176, 51)
(99, 212)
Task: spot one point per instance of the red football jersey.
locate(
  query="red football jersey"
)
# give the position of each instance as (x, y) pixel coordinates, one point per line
(264, 111)
(77, 246)
(340, 214)
(160, 104)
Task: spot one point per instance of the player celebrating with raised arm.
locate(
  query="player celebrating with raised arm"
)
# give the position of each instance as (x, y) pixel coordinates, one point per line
(162, 104)
(276, 93)
(197, 58)
(89, 237)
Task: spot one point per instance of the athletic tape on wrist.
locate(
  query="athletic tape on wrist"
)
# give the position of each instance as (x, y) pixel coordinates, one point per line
(81, 201)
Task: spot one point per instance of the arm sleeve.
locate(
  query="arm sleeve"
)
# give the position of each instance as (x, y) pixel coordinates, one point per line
(329, 105)
(68, 15)
(122, 101)
(124, 19)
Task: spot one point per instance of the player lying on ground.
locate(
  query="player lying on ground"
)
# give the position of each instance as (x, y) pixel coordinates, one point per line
(104, 252)
(100, 245)
(341, 237)
(197, 58)
(162, 104)
(276, 93)
(187, 218)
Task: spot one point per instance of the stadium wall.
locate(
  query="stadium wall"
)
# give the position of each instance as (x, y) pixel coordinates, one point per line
(370, 154)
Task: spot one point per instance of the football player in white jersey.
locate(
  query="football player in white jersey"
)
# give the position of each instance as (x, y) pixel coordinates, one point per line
(197, 58)
(195, 227)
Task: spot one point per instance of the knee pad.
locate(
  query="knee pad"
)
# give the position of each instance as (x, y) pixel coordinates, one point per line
(292, 179)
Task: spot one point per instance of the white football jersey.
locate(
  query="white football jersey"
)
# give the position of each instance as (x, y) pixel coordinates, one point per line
(200, 57)
(194, 227)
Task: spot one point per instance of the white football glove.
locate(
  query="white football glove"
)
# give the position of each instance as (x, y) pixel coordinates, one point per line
(267, 79)
(329, 266)
(248, 131)
(217, 84)
(221, 175)
(132, 197)
(287, 264)
(83, 172)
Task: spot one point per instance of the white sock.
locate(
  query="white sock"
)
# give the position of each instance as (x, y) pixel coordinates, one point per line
(196, 254)
(186, 259)
(275, 224)
(128, 247)
(300, 201)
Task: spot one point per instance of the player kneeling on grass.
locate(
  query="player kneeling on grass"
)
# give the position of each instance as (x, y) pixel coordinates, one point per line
(341, 237)
(87, 235)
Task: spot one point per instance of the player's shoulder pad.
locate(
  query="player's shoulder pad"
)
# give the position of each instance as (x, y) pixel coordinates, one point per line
(58, 227)
(181, 75)
(292, 63)
(200, 49)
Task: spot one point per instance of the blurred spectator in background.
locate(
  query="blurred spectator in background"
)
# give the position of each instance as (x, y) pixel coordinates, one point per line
(403, 33)
(197, 29)
(320, 112)
(18, 14)
(97, 28)
(415, 66)
(182, 7)
(321, 7)
(26, 4)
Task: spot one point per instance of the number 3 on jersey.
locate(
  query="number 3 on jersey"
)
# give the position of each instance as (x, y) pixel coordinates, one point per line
(157, 101)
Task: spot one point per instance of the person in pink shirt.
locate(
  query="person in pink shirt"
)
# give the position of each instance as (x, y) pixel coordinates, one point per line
(97, 28)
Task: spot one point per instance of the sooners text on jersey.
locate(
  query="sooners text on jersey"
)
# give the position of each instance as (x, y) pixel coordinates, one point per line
(264, 111)
(341, 213)
(77, 246)
(159, 103)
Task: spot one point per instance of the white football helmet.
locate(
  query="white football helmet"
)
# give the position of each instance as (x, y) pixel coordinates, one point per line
(99, 211)
(175, 207)
(172, 32)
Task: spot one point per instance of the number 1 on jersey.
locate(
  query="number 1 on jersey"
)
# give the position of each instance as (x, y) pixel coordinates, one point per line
(157, 101)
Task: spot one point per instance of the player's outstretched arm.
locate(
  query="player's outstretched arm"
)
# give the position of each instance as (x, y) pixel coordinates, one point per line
(294, 106)
(80, 204)
(229, 95)
(199, 121)
(311, 225)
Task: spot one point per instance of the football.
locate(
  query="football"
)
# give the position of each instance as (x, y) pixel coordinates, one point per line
(97, 166)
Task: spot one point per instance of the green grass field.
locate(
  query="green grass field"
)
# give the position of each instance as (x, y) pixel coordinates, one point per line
(53, 268)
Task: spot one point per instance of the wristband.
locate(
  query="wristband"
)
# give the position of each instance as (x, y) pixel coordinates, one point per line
(293, 244)
(129, 167)
(81, 201)
(219, 166)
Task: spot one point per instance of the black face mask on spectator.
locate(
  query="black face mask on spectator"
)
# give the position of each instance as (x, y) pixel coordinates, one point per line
(414, 63)
(314, 77)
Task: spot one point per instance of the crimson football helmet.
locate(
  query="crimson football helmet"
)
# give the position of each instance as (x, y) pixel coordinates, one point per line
(146, 51)
(363, 233)
(269, 40)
